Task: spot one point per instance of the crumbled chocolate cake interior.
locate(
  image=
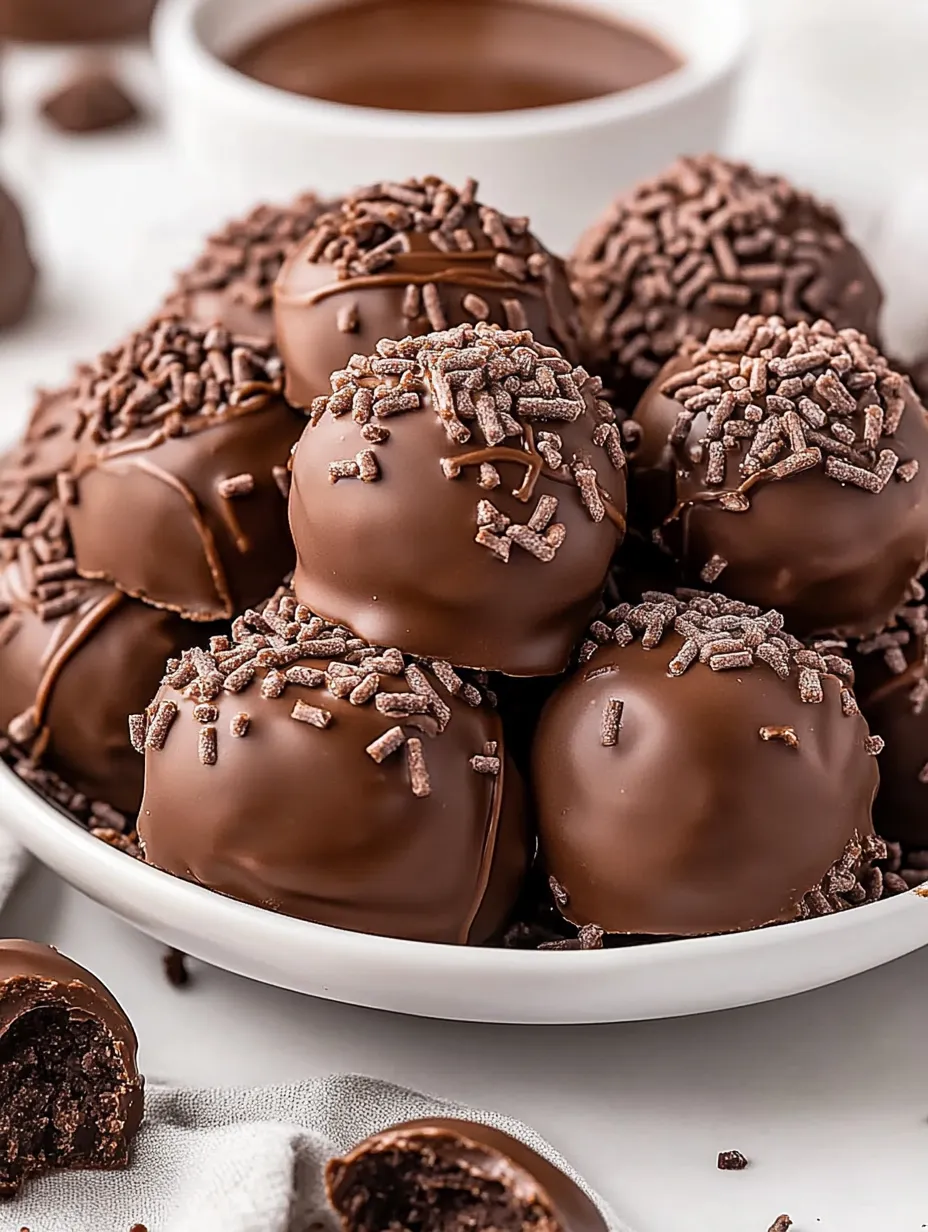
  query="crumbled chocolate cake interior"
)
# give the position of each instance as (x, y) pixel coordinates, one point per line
(60, 1084)
(424, 1190)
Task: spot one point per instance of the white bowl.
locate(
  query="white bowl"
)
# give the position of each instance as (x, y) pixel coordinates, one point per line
(561, 165)
(663, 980)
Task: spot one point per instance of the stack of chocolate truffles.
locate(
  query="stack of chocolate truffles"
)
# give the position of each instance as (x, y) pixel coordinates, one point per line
(478, 708)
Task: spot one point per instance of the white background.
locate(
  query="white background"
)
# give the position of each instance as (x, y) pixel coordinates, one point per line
(827, 1093)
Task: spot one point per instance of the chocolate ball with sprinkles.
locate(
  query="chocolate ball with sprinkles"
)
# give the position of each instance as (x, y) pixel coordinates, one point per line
(460, 495)
(704, 772)
(411, 258)
(788, 465)
(297, 767)
(891, 682)
(71, 1096)
(177, 494)
(76, 656)
(449, 1175)
(693, 249)
(231, 282)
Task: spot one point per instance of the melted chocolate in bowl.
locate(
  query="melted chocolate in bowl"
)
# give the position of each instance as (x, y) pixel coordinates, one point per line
(454, 55)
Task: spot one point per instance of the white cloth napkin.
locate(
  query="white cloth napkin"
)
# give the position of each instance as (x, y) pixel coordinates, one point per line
(241, 1161)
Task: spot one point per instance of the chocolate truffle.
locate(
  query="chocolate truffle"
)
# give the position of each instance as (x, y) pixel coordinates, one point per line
(449, 1175)
(411, 258)
(76, 658)
(70, 1091)
(891, 670)
(74, 21)
(693, 249)
(231, 283)
(17, 271)
(702, 772)
(790, 466)
(305, 771)
(177, 493)
(460, 495)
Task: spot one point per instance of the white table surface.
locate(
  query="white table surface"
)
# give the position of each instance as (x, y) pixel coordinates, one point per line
(827, 1094)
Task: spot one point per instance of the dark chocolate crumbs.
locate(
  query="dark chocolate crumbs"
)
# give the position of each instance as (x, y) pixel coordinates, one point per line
(175, 968)
(731, 1161)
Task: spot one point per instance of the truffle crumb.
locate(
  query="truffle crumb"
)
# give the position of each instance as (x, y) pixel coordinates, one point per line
(175, 968)
(732, 1161)
(782, 1223)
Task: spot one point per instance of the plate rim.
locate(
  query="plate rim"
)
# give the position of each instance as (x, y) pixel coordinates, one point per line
(454, 959)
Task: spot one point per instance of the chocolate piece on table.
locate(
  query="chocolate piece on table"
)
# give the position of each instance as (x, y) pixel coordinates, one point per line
(176, 495)
(74, 21)
(17, 269)
(71, 1096)
(91, 101)
(303, 770)
(231, 282)
(697, 246)
(411, 258)
(788, 467)
(449, 1175)
(703, 772)
(460, 495)
(891, 670)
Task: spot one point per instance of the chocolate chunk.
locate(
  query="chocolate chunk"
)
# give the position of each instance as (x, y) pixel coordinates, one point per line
(732, 1161)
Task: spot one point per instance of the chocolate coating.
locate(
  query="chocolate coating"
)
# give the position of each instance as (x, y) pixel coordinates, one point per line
(892, 686)
(681, 801)
(411, 258)
(231, 283)
(404, 838)
(692, 249)
(103, 1102)
(74, 21)
(496, 568)
(808, 523)
(71, 680)
(178, 487)
(485, 1178)
(17, 270)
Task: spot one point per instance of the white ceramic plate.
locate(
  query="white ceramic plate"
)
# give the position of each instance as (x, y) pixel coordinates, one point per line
(663, 980)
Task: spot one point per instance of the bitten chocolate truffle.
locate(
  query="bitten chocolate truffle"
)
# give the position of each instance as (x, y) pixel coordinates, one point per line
(693, 249)
(178, 491)
(891, 670)
(448, 1175)
(74, 21)
(231, 283)
(70, 1092)
(76, 657)
(301, 769)
(789, 466)
(411, 258)
(703, 772)
(460, 495)
(17, 270)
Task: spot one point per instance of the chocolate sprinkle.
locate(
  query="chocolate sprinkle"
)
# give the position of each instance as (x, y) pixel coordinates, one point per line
(845, 403)
(704, 235)
(495, 386)
(247, 254)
